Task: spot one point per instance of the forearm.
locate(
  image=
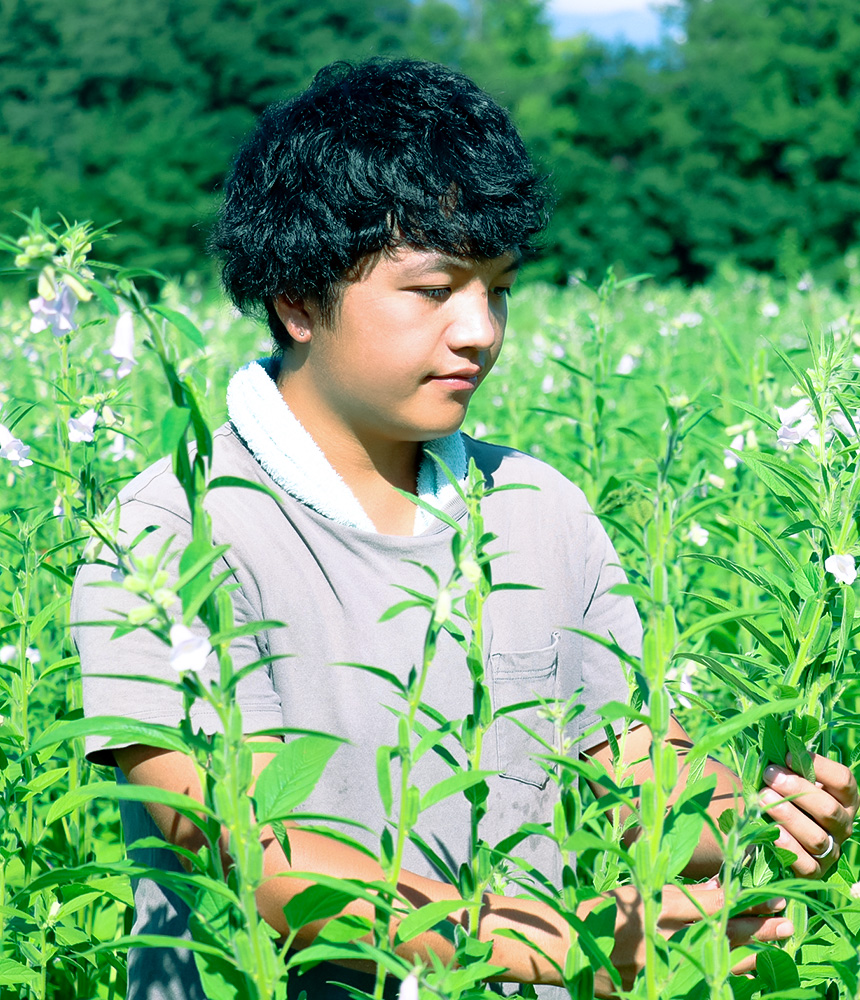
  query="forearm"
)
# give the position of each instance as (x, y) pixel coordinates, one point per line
(314, 852)
(707, 858)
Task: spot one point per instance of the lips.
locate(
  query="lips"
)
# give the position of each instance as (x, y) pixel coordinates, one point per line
(470, 373)
(463, 378)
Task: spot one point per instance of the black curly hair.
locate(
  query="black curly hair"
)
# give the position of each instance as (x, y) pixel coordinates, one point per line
(373, 156)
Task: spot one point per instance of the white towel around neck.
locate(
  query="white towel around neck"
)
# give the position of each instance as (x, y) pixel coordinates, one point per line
(289, 454)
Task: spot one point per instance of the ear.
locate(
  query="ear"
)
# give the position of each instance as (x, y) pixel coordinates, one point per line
(298, 320)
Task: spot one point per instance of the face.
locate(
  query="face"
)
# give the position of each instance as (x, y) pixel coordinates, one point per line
(414, 338)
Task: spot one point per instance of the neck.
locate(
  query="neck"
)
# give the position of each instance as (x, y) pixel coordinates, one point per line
(373, 470)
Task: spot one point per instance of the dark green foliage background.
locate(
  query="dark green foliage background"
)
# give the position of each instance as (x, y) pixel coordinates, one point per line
(739, 141)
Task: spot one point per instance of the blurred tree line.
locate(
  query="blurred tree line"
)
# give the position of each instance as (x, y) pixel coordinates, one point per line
(737, 137)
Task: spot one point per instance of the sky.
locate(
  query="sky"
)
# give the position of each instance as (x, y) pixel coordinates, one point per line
(634, 21)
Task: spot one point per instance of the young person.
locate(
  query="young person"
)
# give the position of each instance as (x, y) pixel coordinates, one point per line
(378, 220)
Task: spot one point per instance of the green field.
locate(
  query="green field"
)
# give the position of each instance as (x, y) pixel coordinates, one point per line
(662, 403)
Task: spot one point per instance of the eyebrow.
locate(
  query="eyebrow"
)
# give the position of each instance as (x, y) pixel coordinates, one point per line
(448, 262)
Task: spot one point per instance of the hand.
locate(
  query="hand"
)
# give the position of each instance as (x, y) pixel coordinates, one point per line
(680, 910)
(815, 813)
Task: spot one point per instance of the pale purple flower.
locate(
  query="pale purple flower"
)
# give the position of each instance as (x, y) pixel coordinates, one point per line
(686, 686)
(697, 534)
(797, 424)
(409, 988)
(189, 651)
(7, 654)
(55, 313)
(689, 319)
(81, 429)
(854, 891)
(119, 449)
(730, 457)
(626, 364)
(123, 344)
(548, 384)
(770, 310)
(842, 567)
(842, 424)
(791, 414)
(14, 449)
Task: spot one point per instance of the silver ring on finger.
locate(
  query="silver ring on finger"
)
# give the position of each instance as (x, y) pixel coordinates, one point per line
(831, 847)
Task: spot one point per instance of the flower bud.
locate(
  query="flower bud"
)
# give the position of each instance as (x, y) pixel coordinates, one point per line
(142, 614)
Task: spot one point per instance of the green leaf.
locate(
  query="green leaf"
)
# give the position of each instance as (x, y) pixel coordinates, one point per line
(219, 977)
(386, 675)
(710, 622)
(773, 745)
(782, 479)
(765, 537)
(424, 918)
(450, 786)
(440, 514)
(801, 758)
(182, 323)
(767, 581)
(173, 427)
(777, 970)
(349, 927)
(849, 606)
(433, 857)
(734, 678)
(684, 824)
(236, 482)
(401, 606)
(290, 777)
(12, 973)
(317, 902)
(754, 411)
(801, 376)
(46, 614)
(716, 736)
(383, 777)
(183, 804)
(104, 295)
(194, 565)
(117, 727)
(154, 941)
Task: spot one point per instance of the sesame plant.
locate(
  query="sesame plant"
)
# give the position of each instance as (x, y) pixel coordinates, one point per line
(731, 494)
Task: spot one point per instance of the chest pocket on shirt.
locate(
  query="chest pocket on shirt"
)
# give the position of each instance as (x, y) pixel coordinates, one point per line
(514, 678)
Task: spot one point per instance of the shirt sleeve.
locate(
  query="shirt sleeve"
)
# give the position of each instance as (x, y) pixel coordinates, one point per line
(612, 616)
(108, 664)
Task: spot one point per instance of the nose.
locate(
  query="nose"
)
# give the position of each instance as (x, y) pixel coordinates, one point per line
(476, 325)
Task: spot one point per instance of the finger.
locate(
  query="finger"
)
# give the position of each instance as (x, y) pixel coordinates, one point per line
(745, 967)
(691, 904)
(825, 810)
(837, 779)
(767, 908)
(742, 930)
(804, 865)
(811, 838)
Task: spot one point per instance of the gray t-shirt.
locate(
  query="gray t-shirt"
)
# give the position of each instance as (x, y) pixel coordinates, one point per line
(331, 584)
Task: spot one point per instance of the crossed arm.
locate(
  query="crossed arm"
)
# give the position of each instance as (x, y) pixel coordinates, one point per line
(825, 808)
